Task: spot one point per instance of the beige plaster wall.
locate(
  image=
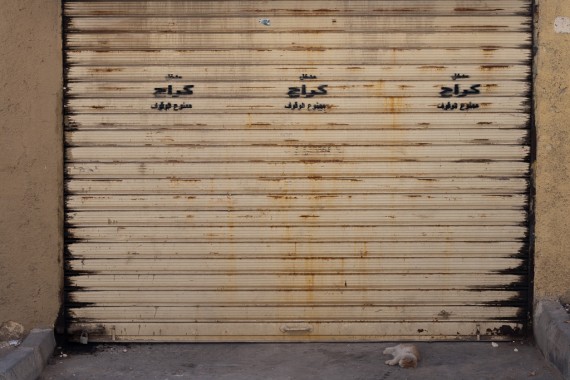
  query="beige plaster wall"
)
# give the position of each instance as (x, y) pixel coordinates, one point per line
(30, 162)
(552, 167)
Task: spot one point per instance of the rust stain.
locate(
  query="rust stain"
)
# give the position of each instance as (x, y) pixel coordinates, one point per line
(431, 67)
(319, 161)
(485, 123)
(294, 10)
(325, 196)
(396, 10)
(306, 48)
(493, 67)
(108, 88)
(394, 104)
(444, 314)
(103, 12)
(256, 88)
(465, 9)
(479, 27)
(309, 216)
(310, 31)
(98, 107)
(282, 197)
(315, 177)
(106, 70)
(270, 179)
(364, 250)
(475, 161)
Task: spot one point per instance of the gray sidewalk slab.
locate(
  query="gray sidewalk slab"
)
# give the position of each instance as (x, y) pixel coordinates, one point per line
(552, 334)
(27, 361)
(478, 360)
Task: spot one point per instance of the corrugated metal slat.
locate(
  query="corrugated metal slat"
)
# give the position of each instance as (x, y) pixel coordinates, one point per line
(298, 40)
(370, 71)
(318, 200)
(355, 57)
(350, 24)
(220, 250)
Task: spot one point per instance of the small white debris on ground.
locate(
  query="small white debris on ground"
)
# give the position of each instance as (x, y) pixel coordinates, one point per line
(495, 344)
(562, 25)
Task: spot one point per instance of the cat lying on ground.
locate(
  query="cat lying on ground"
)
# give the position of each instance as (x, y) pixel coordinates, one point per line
(406, 355)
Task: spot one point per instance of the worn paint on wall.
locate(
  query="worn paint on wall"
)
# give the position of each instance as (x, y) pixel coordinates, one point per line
(552, 168)
(30, 162)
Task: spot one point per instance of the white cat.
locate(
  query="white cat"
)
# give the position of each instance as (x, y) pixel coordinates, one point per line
(406, 355)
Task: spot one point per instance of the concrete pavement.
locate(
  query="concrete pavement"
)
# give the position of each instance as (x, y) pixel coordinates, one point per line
(331, 361)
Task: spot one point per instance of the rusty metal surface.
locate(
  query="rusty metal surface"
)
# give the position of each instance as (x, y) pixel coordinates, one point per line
(297, 170)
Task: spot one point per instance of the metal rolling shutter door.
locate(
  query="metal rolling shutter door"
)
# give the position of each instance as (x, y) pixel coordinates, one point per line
(395, 210)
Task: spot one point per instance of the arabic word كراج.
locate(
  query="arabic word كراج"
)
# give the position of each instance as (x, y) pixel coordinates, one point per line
(186, 90)
(297, 92)
(448, 92)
